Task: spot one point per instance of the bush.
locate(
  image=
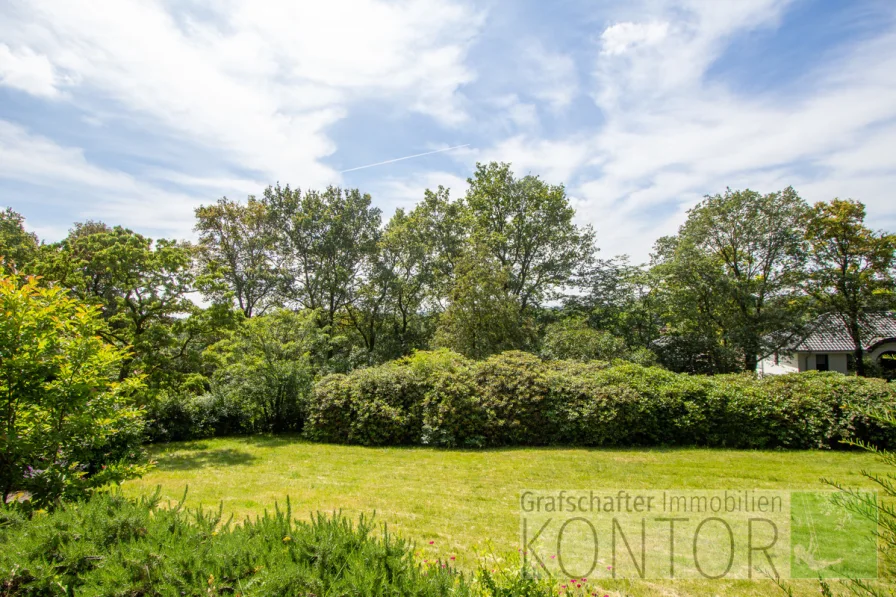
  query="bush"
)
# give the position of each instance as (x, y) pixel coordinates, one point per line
(453, 416)
(373, 407)
(69, 425)
(114, 546)
(514, 398)
(174, 418)
(572, 339)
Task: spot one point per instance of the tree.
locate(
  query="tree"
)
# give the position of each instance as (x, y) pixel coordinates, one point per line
(67, 424)
(622, 300)
(697, 316)
(140, 286)
(572, 339)
(442, 227)
(527, 226)
(268, 363)
(851, 267)
(17, 247)
(237, 245)
(483, 317)
(741, 255)
(326, 240)
(387, 310)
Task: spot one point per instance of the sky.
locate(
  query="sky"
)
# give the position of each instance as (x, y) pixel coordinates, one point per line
(135, 112)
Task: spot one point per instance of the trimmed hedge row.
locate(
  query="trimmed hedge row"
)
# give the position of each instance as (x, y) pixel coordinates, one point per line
(442, 399)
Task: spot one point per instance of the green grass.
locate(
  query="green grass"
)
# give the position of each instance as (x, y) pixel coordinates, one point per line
(466, 501)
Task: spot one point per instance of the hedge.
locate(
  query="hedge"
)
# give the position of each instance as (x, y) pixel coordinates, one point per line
(514, 398)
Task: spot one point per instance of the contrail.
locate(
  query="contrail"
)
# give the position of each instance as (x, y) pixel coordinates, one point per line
(404, 158)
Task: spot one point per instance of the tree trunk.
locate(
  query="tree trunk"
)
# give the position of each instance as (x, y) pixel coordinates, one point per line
(859, 351)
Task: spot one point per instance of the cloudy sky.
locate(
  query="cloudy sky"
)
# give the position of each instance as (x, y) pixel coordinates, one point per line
(137, 111)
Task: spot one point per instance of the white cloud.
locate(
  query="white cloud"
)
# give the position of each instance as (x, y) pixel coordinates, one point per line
(27, 71)
(258, 82)
(618, 38)
(65, 175)
(551, 76)
(554, 160)
(391, 193)
(671, 135)
(515, 113)
(252, 88)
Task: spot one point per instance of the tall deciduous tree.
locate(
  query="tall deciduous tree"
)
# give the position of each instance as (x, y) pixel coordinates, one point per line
(268, 363)
(851, 267)
(388, 309)
(527, 225)
(140, 286)
(745, 252)
(622, 300)
(237, 245)
(442, 225)
(327, 238)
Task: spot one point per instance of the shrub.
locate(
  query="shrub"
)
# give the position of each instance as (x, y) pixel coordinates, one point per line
(266, 365)
(175, 417)
(68, 425)
(452, 414)
(514, 398)
(572, 339)
(375, 406)
(114, 546)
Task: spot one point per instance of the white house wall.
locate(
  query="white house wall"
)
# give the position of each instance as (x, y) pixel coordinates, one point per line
(786, 364)
(804, 362)
(879, 350)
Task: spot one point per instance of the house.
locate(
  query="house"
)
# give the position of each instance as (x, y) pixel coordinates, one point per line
(829, 347)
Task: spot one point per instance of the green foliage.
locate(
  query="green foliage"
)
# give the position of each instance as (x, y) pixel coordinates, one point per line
(326, 237)
(572, 339)
(483, 318)
(696, 353)
(622, 299)
(387, 311)
(526, 225)
(18, 248)
(237, 254)
(180, 417)
(514, 398)
(268, 365)
(141, 288)
(851, 273)
(67, 424)
(735, 268)
(373, 406)
(112, 546)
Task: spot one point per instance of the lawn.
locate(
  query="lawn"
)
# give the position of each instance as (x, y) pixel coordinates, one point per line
(465, 501)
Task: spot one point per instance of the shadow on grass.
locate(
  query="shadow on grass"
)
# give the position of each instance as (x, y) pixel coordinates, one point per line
(180, 461)
(268, 440)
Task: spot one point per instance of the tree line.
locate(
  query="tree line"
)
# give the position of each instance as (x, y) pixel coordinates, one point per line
(504, 266)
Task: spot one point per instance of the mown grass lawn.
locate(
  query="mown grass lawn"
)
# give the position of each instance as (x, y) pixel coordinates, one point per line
(466, 502)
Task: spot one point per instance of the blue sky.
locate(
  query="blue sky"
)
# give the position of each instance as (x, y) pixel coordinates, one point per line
(137, 111)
